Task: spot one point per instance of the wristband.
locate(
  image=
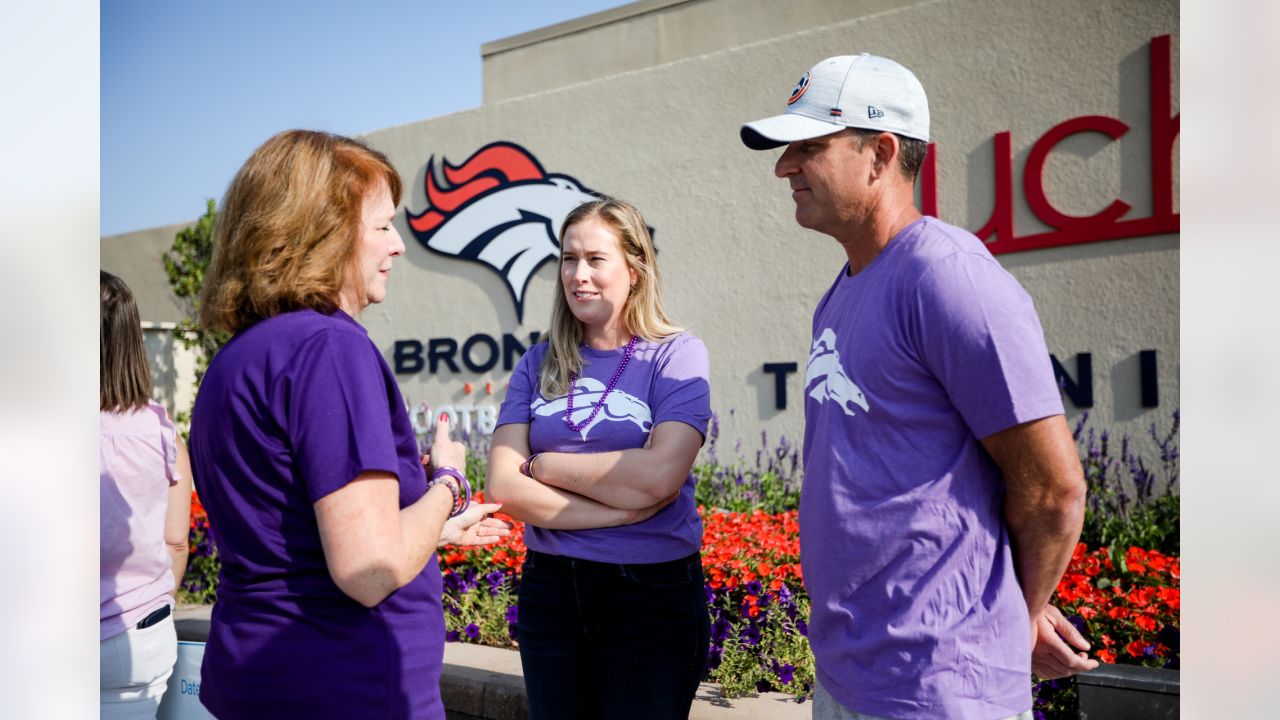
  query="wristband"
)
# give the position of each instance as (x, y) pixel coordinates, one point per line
(451, 485)
(526, 467)
(463, 485)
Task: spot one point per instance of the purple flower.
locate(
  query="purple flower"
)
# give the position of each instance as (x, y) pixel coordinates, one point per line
(754, 587)
(803, 627)
(495, 580)
(713, 657)
(720, 630)
(451, 636)
(786, 673)
(1079, 623)
(452, 583)
(472, 631)
(750, 635)
(513, 613)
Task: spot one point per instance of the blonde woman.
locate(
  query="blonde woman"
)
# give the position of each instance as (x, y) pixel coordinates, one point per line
(329, 595)
(594, 446)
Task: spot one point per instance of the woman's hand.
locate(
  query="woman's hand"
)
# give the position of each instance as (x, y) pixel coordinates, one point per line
(445, 452)
(645, 513)
(475, 527)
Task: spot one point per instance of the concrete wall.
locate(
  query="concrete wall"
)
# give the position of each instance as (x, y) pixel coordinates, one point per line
(173, 368)
(743, 276)
(652, 116)
(643, 34)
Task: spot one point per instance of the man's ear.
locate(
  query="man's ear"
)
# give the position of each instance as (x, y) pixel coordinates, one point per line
(887, 149)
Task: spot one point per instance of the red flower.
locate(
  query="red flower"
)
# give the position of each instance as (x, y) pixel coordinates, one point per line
(1135, 560)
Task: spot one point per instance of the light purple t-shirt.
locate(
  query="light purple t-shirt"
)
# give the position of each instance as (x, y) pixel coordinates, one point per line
(293, 408)
(917, 612)
(664, 381)
(137, 458)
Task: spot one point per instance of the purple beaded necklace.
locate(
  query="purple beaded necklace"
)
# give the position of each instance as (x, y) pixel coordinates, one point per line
(613, 381)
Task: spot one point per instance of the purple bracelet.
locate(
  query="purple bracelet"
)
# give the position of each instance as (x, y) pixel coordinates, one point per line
(526, 467)
(452, 472)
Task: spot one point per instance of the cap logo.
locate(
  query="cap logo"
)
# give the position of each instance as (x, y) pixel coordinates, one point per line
(874, 112)
(799, 89)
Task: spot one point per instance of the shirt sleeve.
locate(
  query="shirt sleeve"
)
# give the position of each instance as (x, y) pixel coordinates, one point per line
(682, 390)
(168, 442)
(339, 413)
(520, 391)
(977, 331)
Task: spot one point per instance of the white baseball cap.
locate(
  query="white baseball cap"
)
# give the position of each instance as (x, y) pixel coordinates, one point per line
(859, 91)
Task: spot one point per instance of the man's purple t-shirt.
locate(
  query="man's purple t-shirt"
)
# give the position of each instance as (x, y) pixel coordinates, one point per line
(917, 612)
(293, 408)
(663, 381)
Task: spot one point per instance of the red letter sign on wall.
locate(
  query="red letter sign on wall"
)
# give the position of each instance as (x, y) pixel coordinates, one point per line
(1070, 229)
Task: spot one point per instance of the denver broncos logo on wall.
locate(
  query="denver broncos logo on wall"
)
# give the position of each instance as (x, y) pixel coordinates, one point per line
(499, 208)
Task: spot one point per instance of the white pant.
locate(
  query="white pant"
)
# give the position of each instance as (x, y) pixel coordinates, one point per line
(134, 668)
(826, 707)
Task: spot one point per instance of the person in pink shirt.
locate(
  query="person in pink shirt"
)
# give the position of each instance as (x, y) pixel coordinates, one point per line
(145, 506)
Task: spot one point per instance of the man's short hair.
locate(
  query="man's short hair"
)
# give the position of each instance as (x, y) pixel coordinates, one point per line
(910, 155)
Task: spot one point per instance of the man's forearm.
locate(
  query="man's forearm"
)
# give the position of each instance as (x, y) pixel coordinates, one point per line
(1043, 540)
(1043, 503)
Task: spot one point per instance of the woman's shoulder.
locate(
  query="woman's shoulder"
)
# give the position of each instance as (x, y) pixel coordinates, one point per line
(306, 322)
(680, 343)
(144, 419)
(290, 331)
(533, 356)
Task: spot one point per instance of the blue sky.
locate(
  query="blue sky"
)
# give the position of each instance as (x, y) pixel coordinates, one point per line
(188, 89)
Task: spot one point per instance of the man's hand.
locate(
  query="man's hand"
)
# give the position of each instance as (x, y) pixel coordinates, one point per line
(1051, 657)
(475, 527)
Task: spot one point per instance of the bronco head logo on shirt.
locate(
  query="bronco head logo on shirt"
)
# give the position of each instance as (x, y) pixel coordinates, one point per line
(825, 378)
(618, 407)
(498, 208)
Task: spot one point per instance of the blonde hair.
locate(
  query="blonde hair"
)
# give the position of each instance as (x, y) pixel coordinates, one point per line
(642, 315)
(124, 373)
(286, 235)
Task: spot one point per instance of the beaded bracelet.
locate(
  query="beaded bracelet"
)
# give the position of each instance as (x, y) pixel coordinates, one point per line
(463, 488)
(526, 467)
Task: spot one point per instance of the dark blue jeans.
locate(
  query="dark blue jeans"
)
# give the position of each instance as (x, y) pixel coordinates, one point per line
(604, 640)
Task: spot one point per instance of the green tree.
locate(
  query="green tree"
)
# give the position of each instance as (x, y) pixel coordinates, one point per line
(186, 263)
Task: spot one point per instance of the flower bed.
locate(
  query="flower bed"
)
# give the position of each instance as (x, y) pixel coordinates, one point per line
(758, 610)
(1126, 603)
(1124, 594)
(200, 583)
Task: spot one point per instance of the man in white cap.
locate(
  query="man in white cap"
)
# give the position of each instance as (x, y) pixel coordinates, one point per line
(943, 494)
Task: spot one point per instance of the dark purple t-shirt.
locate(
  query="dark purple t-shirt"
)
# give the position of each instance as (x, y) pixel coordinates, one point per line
(917, 612)
(663, 381)
(291, 409)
